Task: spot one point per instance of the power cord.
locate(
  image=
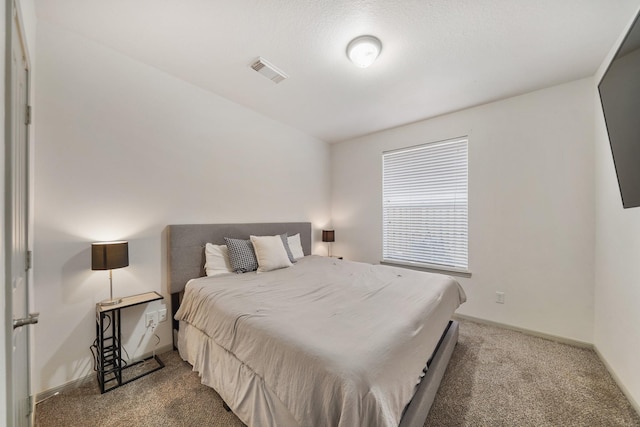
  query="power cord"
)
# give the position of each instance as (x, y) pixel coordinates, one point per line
(124, 363)
(153, 326)
(94, 349)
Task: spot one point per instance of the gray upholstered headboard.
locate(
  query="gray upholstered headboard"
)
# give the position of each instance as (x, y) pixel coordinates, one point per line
(186, 244)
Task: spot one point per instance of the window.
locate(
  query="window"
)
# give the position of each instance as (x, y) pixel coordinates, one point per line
(424, 205)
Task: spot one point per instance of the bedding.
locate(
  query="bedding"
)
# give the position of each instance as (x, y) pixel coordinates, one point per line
(242, 257)
(322, 343)
(270, 253)
(217, 260)
(296, 246)
(285, 242)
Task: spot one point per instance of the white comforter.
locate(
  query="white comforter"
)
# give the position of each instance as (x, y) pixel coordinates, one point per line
(339, 343)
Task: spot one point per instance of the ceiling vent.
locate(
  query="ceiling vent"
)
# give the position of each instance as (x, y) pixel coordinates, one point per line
(268, 70)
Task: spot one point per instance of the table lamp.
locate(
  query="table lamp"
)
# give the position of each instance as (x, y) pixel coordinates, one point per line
(329, 236)
(109, 256)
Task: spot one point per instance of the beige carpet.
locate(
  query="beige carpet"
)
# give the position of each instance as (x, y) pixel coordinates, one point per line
(496, 377)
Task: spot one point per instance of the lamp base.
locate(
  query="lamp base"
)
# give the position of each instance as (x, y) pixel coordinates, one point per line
(108, 302)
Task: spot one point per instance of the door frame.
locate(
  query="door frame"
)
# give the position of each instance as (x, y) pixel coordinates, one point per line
(14, 22)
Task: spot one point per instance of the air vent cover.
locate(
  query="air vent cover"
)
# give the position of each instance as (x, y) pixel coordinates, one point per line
(268, 70)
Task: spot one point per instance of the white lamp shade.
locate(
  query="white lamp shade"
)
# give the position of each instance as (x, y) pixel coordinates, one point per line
(364, 50)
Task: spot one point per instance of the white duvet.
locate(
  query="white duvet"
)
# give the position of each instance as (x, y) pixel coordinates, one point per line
(336, 343)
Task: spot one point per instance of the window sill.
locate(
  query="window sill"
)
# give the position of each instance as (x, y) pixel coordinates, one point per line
(428, 267)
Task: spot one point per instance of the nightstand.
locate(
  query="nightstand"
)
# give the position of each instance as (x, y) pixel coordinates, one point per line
(109, 343)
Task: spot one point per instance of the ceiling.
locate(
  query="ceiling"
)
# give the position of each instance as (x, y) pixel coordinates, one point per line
(438, 56)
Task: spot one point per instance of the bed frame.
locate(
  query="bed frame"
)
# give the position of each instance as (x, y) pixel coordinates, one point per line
(185, 250)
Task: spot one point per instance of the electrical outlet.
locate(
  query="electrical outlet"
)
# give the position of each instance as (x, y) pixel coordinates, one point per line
(500, 297)
(162, 315)
(151, 319)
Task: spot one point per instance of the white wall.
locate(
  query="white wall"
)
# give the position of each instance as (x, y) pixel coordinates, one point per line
(123, 150)
(617, 268)
(531, 205)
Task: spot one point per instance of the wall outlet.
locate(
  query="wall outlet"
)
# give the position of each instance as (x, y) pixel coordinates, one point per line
(151, 319)
(162, 315)
(500, 297)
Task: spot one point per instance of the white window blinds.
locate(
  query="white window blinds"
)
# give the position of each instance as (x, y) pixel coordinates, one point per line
(425, 206)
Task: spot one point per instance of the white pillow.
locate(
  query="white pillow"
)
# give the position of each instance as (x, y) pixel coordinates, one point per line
(296, 246)
(270, 253)
(217, 260)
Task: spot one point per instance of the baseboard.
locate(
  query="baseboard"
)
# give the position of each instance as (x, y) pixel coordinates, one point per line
(616, 378)
(576, 343)
(44, 395)
(79, 382)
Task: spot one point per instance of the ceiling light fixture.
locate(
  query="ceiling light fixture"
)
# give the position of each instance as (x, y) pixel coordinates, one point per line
(363, 50)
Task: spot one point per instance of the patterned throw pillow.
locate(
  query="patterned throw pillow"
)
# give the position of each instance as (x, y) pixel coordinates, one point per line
(241, 255)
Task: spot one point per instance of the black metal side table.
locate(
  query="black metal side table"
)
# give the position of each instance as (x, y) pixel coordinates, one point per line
(110, 365)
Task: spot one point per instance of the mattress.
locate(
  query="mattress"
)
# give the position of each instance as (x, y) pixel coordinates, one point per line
(325, 342)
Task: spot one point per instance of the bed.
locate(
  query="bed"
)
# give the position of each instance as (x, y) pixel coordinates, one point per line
(290, 347)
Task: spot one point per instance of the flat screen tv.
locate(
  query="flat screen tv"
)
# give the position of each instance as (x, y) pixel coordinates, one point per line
(620, 96)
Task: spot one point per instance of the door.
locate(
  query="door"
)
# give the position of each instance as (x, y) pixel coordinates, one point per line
(18, 257)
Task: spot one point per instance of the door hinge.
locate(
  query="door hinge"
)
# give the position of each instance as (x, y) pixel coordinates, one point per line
(27, 119)
(30, 409)
(29, 260)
